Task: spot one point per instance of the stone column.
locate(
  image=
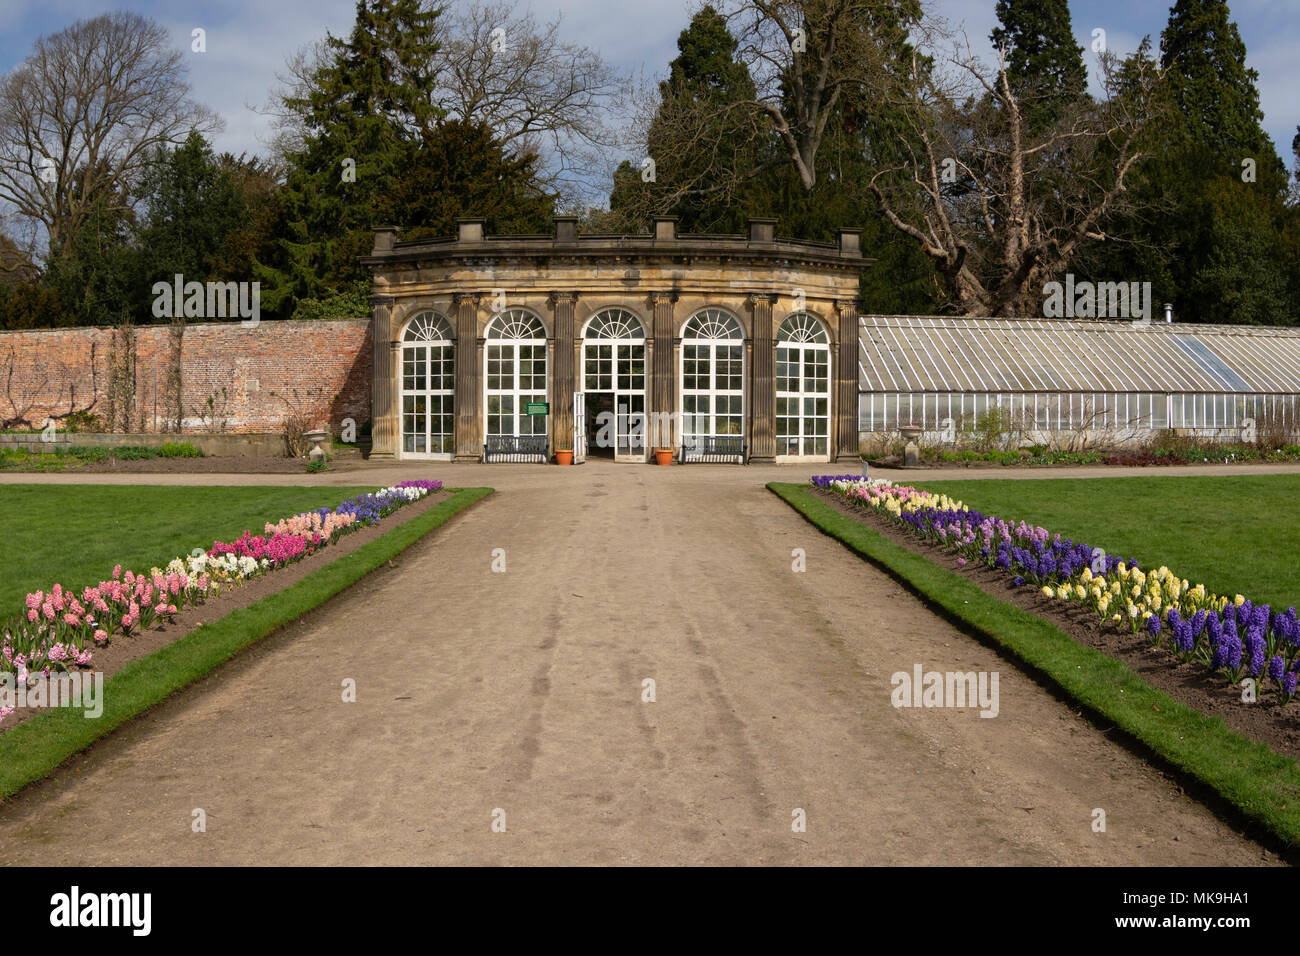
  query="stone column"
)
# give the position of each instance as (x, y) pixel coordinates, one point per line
(663, 378)
(469, 385)
(562, 369)
(846, 383)
(762, 382)
(385, 416)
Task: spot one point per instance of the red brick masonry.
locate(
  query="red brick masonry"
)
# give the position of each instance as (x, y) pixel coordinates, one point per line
(322, 367)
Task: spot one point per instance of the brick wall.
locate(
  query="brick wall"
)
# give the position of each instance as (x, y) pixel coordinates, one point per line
(321, 367)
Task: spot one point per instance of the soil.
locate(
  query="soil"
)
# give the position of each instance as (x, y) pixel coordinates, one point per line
(1268, 721)
(211, 464)
(111, 658)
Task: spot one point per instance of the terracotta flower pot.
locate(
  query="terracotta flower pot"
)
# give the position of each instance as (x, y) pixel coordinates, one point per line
(564, 457)
(663, 456)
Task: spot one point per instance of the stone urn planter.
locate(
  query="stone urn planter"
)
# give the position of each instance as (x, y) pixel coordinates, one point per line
(316, 436)
(911, 451)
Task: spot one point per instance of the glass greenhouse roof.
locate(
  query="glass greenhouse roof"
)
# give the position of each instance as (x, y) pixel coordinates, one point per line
(950, 354)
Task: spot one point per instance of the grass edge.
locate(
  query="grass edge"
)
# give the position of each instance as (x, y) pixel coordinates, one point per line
(36, 747)
(1263, 786)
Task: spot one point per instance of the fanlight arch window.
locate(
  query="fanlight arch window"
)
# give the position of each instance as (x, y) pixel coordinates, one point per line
(712, 324)
(428, 327)
(803, 327)
(614, 324)
(712, 376)
(516, 324)
(803, 388)
(514, 358)
(428, 386)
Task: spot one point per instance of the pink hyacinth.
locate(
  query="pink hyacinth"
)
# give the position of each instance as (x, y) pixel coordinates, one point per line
(101, 636)
(83, 658)
(117, 571)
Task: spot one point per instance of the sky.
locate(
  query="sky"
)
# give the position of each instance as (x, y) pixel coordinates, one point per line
(248, 41)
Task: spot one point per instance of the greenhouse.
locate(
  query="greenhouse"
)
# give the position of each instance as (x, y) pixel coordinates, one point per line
(1119, 380)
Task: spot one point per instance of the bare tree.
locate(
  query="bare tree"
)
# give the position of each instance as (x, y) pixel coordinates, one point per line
(498, 66)
(808, 56)
(998, 209)
(85, 112)
(539, 92)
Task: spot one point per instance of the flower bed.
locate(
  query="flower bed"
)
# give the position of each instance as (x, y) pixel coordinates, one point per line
(59, 629)
(1232, 637)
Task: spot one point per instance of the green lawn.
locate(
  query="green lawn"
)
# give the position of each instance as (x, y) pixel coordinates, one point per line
(1237, 534)
(74, 534)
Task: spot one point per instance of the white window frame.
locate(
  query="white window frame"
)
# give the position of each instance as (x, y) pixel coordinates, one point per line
(609, 328)
(509, 331)
(715, 329)
(802, 334)
(426, 333)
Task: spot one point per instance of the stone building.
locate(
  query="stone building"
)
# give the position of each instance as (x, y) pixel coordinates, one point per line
(719, 347)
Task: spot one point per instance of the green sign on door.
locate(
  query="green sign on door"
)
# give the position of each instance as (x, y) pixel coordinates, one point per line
(537, 408)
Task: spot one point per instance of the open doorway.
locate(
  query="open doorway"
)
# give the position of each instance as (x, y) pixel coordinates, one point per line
(600, 406)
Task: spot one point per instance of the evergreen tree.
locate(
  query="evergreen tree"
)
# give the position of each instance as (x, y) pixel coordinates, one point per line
(1044, 64)
(707, 101)
(190, 207)
(366, 111)
(461, 170)
(1212, 91)
(1217, 172)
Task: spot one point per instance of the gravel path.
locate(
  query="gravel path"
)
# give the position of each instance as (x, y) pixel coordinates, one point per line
(521, 691)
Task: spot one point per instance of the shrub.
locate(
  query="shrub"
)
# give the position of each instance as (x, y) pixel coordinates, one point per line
(82, 421)
(178, 449)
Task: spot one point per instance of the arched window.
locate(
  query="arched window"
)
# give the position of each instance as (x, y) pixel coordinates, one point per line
(712, 375)
(803, 388)
(515, 360)
(803, 327)
(712, 324)
(613, 377)
(614, 324)
(428, 386)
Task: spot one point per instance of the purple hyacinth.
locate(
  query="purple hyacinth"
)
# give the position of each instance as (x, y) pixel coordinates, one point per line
(1276, 669)
(1257, 648)
(1153, 625)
